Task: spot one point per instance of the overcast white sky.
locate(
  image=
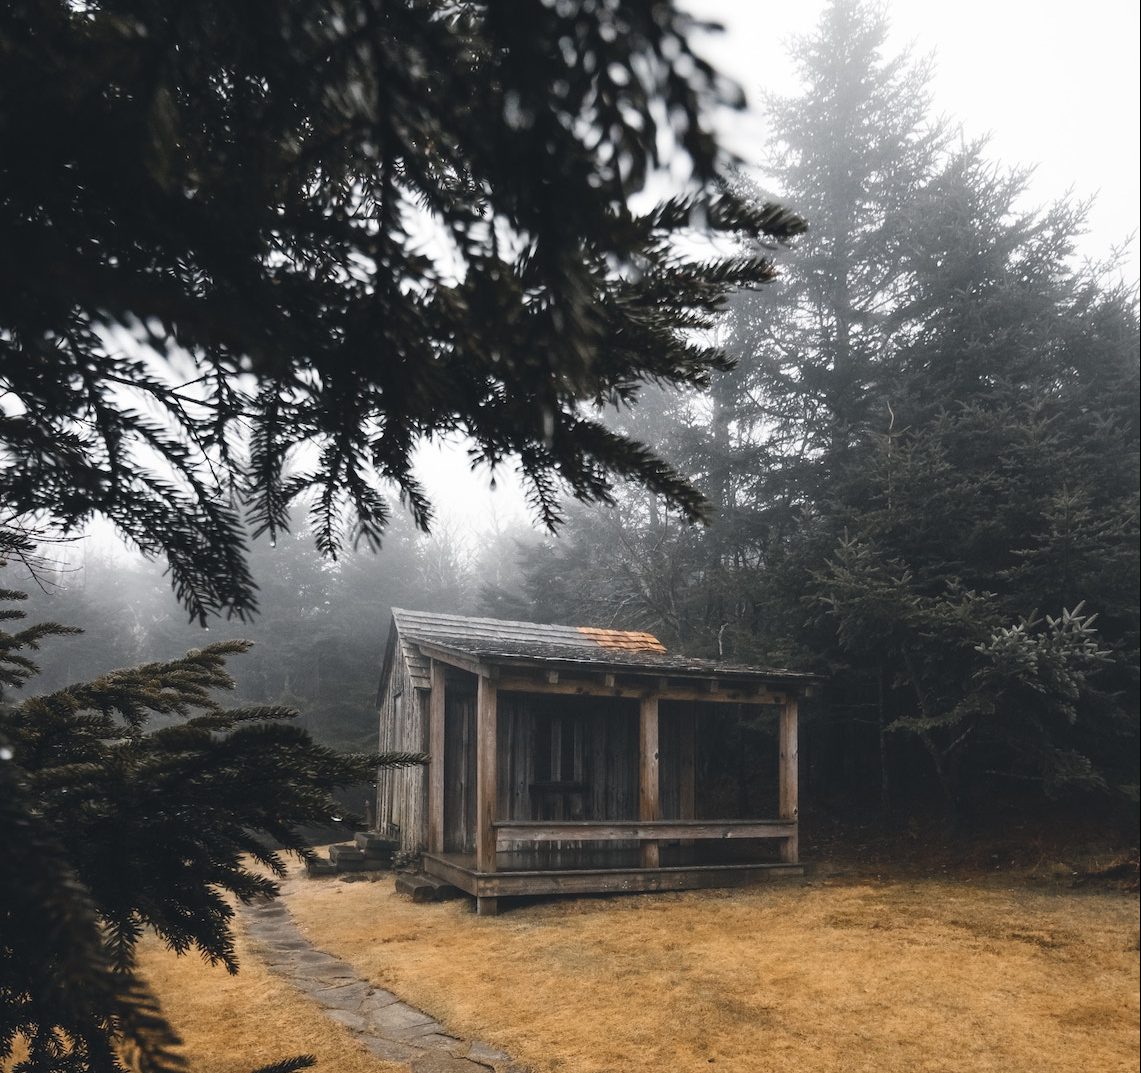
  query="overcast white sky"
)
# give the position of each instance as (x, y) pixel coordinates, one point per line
(1054, 85)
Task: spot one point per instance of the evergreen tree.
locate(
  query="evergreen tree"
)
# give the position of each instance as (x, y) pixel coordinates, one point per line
(609, 571)
(853, 153)
(954, 389)
(111, 828)
(246, 192)
(317, 638)
(250, 192)
(924, 466)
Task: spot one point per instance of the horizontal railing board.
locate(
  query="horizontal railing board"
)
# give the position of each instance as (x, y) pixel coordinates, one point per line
(643, 830)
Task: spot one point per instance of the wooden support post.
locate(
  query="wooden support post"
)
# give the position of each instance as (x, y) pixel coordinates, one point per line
(436, 763)
(487, 907)
(485, 777)
(649, 790)
(789, 775)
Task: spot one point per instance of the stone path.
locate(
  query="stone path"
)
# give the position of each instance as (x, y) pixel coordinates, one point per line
(389, 1028)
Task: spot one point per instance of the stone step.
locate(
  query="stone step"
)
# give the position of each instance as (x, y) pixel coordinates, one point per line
(346, 857)
(416, 887)
(421, 888)
(445, 892)
(378, 850)
(374, 844)
(321, 866)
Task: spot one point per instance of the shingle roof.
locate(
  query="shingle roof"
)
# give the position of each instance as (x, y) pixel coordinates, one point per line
(506, 642)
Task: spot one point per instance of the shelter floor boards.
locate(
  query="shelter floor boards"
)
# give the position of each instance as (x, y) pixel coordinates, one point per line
(459, 870)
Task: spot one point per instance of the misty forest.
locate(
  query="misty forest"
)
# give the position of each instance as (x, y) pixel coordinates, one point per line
(865, 412)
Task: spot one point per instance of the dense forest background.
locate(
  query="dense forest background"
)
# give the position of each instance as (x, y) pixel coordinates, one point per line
(923, 483)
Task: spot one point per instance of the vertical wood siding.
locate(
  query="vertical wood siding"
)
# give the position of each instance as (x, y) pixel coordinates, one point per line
(402, 794)
(566, 758)
(459, 764)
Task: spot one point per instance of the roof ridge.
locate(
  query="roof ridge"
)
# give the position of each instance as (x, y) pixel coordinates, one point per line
(499, 622)
(440, 627)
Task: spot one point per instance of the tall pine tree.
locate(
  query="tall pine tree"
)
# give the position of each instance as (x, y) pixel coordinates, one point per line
(111, 827)
(929, 387)
(925, 462)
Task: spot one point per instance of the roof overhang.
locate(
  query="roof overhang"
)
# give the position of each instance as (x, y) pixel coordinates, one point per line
(670, 678)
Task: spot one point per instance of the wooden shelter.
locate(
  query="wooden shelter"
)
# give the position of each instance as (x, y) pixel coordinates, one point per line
(564, 759)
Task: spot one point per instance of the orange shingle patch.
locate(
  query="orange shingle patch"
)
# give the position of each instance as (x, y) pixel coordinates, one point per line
(627, 640)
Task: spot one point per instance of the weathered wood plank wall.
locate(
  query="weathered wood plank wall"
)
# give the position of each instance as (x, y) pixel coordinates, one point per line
(401, 799)
(436, 738)
(459, 763)
(566, 758)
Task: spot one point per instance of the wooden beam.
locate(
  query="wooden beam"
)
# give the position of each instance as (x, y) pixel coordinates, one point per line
(485, 780)
(453, 659)
(723, 694)
(436, 761)
(649, 782)
(445, 867)
(789, 778)
(518, 683)
(585, 688)
(593, 880)
(630, 880)
(533, 831)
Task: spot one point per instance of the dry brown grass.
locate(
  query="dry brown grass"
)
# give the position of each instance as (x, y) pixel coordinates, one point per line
(233, 1024)
(892, 976)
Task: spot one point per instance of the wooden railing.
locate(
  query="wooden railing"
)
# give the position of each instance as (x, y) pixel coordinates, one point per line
(537, 831)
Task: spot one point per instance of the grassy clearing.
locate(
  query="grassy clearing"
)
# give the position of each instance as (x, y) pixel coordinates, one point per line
(849, 974)
(853, 975)
(233, 1024)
